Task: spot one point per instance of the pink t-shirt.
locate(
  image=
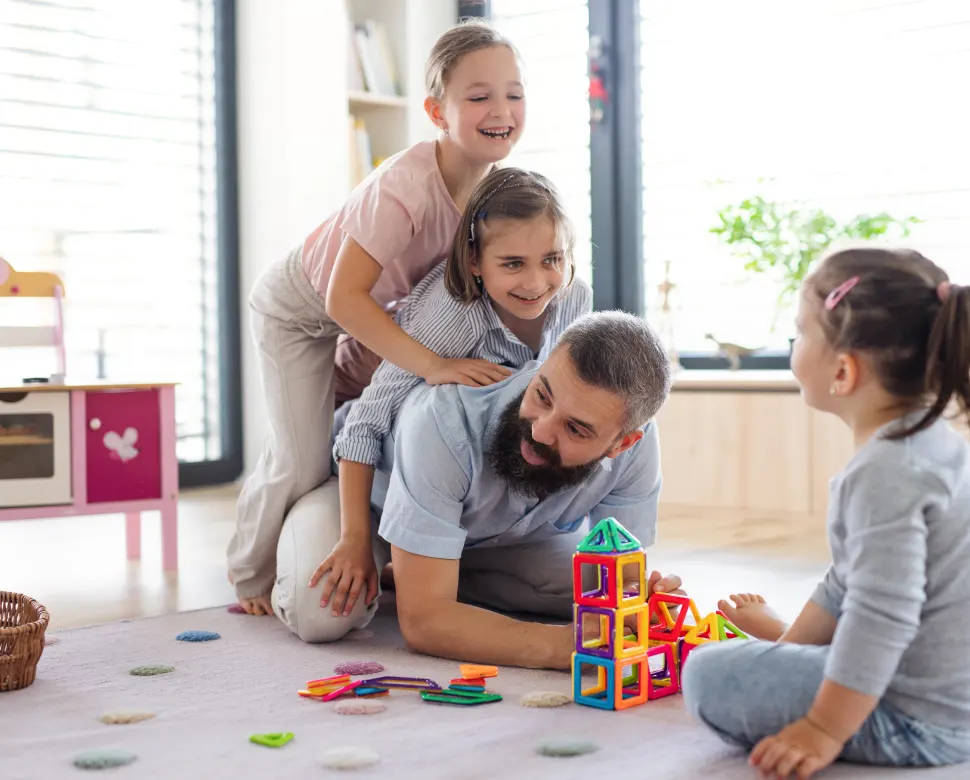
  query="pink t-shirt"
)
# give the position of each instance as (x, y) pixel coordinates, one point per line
(401, 215)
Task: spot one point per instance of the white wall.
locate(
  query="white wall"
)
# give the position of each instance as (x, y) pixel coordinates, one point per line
(293, 162)
(291, 62)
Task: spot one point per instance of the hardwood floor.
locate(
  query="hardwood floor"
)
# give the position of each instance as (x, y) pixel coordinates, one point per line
(77, 567)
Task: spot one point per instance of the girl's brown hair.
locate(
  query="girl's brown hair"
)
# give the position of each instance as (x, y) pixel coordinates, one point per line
(902, 312)
(505, 193)
(464, 38)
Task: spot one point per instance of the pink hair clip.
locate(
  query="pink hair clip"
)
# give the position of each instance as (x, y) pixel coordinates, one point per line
(943, 290)
(833, 298)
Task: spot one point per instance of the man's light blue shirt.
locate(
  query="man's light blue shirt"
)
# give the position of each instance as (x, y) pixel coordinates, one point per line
(436, 493)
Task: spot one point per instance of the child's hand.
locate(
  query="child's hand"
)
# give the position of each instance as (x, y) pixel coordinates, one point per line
(352, 569)
(466, 371)
(800, 749)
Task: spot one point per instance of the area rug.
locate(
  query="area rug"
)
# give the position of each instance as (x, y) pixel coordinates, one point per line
(245, 682)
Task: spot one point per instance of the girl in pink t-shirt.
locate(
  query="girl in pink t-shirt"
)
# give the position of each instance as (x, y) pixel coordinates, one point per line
(352, 271)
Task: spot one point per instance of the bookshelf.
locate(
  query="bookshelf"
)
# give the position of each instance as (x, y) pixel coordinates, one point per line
(387, 45)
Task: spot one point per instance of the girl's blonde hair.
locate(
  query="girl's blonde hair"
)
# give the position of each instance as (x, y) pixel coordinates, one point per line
(900, 309)
(505, 193)
(464, 38)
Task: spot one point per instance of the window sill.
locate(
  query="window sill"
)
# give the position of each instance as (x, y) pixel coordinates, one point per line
(760, 361)
(764, 372)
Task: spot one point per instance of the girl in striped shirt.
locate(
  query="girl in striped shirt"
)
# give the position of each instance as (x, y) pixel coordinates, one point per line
(505, 294)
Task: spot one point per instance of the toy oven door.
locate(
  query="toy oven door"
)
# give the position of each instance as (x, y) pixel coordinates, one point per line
(35, 449)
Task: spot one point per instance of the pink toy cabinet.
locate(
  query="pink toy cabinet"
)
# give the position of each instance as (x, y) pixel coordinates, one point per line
(91, 449)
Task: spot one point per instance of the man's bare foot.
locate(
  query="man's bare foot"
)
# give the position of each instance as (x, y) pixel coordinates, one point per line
(261, 606)
(751, 614)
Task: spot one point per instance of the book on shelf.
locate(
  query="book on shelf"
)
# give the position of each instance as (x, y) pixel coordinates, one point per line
(361, 155)
(372, 65)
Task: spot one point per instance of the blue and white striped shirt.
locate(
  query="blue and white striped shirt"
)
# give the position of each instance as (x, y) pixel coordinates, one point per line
(451, 329)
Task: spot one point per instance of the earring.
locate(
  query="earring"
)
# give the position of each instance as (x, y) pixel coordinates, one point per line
(832, 390)
(478, 281)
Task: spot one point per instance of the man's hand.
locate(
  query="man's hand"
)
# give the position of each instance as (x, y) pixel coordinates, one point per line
(352, 569)
(660, 584)
(800, 750)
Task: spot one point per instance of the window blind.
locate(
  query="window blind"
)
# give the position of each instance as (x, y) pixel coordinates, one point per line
(553, 39)
(108, 178)
(853, 106)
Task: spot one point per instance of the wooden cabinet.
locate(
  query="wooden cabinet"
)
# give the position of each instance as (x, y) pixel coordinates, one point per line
(736, 450)
(747, 440)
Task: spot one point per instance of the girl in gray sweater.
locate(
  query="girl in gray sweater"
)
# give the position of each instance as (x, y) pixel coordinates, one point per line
(875, 669)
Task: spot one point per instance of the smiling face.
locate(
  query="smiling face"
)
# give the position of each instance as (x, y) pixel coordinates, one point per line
(555, 434)
(521, 265)
(483, 107)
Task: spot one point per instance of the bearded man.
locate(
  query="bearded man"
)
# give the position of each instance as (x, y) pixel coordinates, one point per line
(483, 495)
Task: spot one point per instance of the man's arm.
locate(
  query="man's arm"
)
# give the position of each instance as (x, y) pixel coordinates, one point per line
(422, 522)
(433, 622)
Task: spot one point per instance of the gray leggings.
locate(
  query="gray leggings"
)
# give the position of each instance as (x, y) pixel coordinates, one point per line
(745, 690)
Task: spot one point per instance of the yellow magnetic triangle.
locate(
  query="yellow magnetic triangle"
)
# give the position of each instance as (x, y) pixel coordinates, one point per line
(694, 635)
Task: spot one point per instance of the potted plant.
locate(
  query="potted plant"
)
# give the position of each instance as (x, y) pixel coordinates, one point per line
(784, 240)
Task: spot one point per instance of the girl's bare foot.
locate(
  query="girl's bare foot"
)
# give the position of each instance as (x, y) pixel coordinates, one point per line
(751, 614)
(261, 606)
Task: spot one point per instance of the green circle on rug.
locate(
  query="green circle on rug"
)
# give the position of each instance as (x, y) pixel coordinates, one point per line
(566, 747)
(103, 758)
(151, 671)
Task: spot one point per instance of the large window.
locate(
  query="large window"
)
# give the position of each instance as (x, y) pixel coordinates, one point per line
(849, 106)
(553, 38)
(117, 172)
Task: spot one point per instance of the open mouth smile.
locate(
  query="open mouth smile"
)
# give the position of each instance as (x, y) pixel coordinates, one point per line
(500, 133)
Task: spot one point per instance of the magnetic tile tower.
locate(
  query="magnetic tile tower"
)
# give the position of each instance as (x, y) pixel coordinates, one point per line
(620, 654)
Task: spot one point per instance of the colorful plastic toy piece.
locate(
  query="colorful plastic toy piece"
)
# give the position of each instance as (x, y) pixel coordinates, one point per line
(272, 740)
(477, 671)
(414, 683)
(665, 627)
(667, 682)
(608, 536)
(620, 683)
(612, 550)
(452, 695)
(605, 621)
(468, 681)
(325, 682)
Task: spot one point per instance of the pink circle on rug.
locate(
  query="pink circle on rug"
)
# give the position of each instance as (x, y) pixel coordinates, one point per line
(358, 707)
(50, 640)
(236, 609)
(359, 634)
(358, 667)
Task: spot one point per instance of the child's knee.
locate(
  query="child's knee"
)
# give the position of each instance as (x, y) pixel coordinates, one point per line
(300, 611)
(702, 680)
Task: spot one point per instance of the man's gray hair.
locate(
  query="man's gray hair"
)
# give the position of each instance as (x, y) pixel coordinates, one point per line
(621, 353)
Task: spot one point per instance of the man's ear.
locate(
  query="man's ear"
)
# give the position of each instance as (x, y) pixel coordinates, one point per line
(624, 443)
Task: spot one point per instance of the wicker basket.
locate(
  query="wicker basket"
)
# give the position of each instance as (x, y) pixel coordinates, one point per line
(23, 623)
